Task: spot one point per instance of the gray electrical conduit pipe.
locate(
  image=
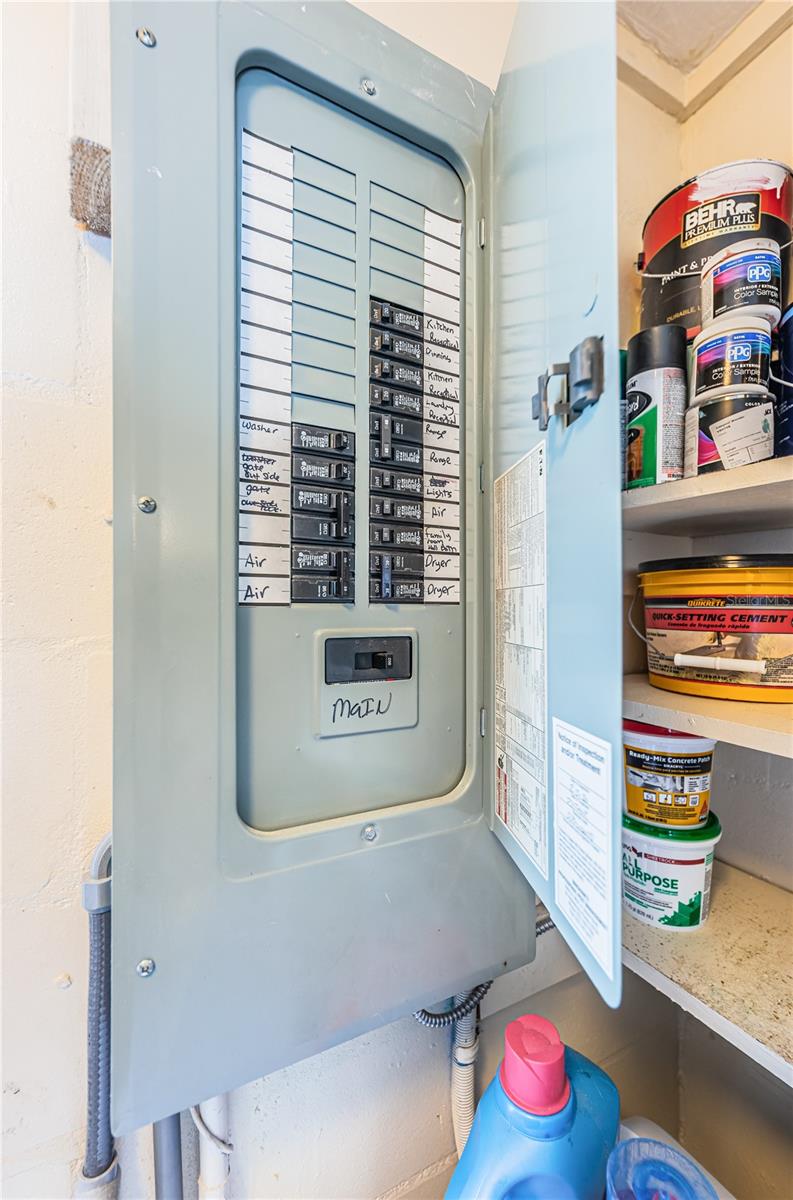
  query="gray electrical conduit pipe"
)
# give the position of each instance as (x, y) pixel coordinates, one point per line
(100, 1173)
(465, 1048)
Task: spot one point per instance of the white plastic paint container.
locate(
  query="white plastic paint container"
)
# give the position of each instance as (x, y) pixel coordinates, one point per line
(666, 873)
(731, 431)
(731, 355)
(743, 279)
(667, 776)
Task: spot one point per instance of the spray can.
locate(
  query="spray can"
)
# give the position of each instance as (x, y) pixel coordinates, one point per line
(655, 405)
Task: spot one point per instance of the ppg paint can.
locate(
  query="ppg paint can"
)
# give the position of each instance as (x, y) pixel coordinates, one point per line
(655, 406)
(731, 355)
(729, 432)
(751, 198)
(745, 279)
(783, 388)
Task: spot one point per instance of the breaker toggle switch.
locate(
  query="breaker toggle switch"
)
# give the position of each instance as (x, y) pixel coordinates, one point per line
(395, 536)
(319, 440)
(396, 372)
(395, 400)
(339, 504)
(363, 659)
(400, 482)
(381, 564)
(396, 510)
(320, 529)
(315, 468)
(402, 320)
(396, 346)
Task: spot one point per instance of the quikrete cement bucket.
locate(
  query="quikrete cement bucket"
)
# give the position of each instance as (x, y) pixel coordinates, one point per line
(666, 873)
(751, 198)
(720, 625)
(667, 776)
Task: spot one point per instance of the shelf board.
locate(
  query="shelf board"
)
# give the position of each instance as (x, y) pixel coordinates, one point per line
(767, 727)
(735, 974)
(759, 496)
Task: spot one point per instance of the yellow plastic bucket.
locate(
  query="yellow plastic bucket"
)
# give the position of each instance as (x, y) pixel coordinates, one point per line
(721, 625)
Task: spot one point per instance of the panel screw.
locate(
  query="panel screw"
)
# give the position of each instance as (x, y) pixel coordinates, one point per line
(369, 833)
(146, 37)
(145, 967)
(147, 504)
(368, 88)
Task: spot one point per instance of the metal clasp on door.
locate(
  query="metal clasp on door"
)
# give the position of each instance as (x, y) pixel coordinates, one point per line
(582, 384)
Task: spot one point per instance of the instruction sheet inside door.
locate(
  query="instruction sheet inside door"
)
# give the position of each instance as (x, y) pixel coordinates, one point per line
(519, 540)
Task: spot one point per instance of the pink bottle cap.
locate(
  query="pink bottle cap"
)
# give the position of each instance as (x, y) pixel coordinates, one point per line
(532, 1072)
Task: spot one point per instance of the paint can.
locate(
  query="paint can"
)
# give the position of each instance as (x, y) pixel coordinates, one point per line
(720, 625)
(743, 279)
(729, 432)
(751, 198)
(654, 406)
(667, 775)
(666, 873)
(731, 355)
(783, 389)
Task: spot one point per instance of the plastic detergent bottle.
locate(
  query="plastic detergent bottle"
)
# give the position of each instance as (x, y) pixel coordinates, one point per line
(545, 1126)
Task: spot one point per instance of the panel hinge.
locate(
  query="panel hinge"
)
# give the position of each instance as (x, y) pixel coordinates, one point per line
(481, 232)
(582, 384)
(482, 478)
(482, 721)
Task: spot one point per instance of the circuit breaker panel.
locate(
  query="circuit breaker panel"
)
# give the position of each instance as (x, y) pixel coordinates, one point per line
(351, 439)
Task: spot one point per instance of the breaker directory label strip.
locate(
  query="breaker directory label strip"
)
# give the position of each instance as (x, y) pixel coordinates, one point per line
(265, 366)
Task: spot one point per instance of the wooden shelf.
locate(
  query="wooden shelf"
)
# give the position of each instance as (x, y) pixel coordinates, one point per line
(735, 974)
(767, 727)
(759, 496)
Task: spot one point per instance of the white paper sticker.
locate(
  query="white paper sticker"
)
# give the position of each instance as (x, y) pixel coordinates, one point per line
(440, 461)
(266, 281)
(438, 540)
(443, 437)
(266, 186)
(261, 310)
(265, 343)
(440, 512)
(442, 253)
(519, 543)
(261, 530)
(440, 487)
(264, 498)
(447, 387)
(441, 566)
(263, 560)
(439, 280)
(266, 405)
(267, 218)
(260, 589)
(264, 373)
(438, 591)
(441, 358)
(445, 412)
(442, 227)
(269, 436)
(583, 875)
(442, 333)
(271, 251)
(268, 155)
(259, 467)
(438, 305)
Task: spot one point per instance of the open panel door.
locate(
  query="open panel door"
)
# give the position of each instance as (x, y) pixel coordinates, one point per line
(555, 613)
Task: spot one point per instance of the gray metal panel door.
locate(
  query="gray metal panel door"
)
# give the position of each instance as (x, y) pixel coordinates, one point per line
(552, 149)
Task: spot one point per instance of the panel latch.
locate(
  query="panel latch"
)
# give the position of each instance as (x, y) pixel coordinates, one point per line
(582, 384)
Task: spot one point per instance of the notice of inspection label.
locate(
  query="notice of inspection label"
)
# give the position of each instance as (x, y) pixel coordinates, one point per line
(519, 538)
(583, 876)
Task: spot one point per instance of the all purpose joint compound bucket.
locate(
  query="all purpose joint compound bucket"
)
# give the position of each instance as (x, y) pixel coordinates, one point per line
(745, 278)
(667, 776)
(731, 355)
(752, 198)
(666, 873)
(655, 406)
(732, 431)
(720, 625)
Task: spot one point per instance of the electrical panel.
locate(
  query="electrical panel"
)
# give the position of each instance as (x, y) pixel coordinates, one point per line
(346, 642)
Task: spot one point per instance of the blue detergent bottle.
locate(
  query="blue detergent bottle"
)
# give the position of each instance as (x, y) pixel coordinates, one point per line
(544, 1128)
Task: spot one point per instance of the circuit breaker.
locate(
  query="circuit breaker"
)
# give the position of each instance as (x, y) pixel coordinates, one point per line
(344, 648)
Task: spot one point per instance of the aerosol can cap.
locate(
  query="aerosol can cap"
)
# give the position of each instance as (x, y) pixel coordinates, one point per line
(532, 1072)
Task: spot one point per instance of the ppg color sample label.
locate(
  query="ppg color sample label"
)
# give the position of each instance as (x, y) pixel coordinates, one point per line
(733, 359)
(519, 541)
(582, 823)
(746, 279)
